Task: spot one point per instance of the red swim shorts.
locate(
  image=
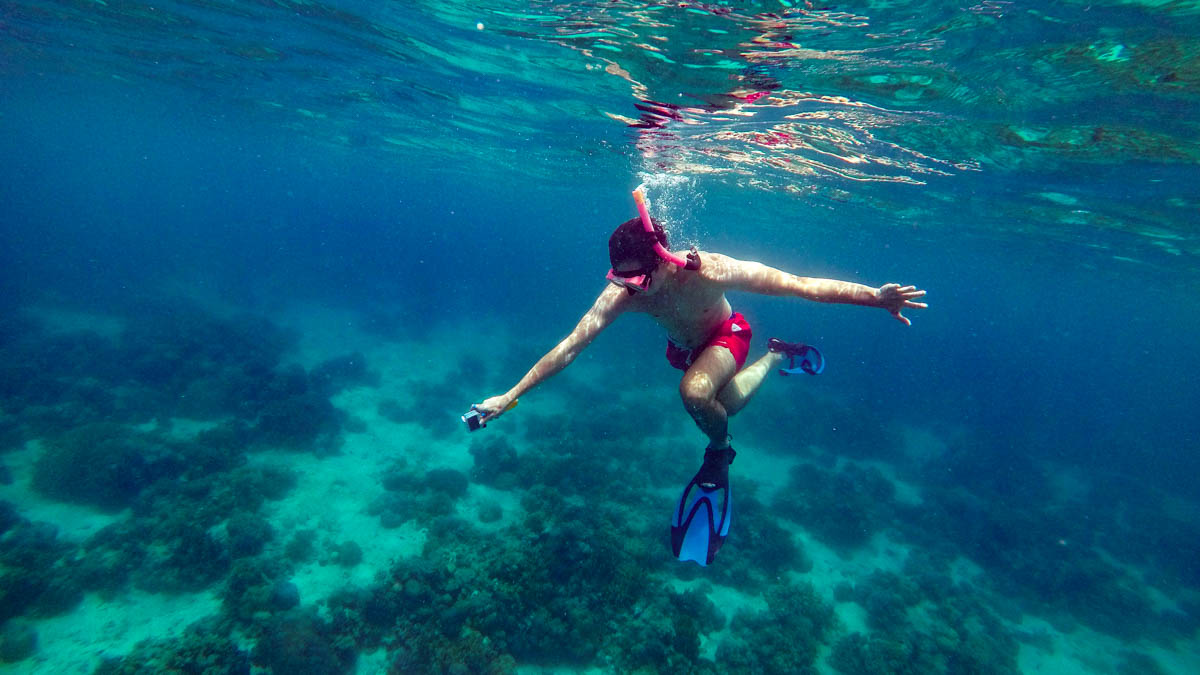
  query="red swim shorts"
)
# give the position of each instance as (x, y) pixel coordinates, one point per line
(733, 335)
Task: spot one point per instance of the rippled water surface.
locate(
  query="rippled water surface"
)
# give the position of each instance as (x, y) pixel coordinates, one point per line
(995, 99)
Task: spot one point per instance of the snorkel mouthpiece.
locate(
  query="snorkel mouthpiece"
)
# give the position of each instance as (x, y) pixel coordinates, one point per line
(693, 259)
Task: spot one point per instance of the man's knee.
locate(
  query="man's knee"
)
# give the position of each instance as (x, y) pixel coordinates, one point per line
(697, 391)
(732, 398)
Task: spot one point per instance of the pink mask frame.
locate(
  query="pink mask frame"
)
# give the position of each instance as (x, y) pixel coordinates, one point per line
(639, 283)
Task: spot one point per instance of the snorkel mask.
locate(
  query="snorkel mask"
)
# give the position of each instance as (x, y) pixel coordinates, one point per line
(638, 280)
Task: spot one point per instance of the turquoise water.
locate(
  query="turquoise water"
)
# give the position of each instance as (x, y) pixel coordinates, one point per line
(257, 258)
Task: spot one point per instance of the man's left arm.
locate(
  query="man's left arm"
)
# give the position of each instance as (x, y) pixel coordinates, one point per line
(759, 278)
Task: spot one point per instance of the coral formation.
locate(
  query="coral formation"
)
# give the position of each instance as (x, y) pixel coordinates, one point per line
(782, 639)
(578, 575)
(18, 641)
(105, 464)
(843, 508)
(204, 649)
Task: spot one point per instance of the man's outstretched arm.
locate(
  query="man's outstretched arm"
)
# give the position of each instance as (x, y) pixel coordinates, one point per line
(759, 278)
(607, 307)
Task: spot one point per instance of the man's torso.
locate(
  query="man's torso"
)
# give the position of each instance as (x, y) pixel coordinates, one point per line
(688, 306)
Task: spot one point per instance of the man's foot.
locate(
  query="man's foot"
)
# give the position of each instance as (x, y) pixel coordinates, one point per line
(810, 359)
(714, 472)
(786, 348)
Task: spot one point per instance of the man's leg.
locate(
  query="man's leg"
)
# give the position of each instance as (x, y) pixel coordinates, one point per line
(708, 375)
(741, 388)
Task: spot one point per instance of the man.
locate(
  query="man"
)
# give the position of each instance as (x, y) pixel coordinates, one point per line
(706, 340)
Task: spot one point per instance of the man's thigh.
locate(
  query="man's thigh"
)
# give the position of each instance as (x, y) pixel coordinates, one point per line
(710, 372)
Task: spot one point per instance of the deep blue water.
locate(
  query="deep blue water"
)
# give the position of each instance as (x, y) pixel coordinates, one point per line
(399, 161)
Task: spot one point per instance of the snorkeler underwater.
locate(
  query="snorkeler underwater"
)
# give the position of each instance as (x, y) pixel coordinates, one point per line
(925, 272)
(706, 340)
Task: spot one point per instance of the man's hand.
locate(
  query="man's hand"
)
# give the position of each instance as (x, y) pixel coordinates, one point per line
(494, 407)
(894, 297)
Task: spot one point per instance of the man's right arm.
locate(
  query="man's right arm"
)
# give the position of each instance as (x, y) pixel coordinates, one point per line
(759, 278)
(608, 306)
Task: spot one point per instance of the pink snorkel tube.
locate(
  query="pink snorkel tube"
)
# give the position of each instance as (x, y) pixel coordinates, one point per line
(693, 259)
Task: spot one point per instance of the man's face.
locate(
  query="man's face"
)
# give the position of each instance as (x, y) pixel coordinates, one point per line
(631, 275)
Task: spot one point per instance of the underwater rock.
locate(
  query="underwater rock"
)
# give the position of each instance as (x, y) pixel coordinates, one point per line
(348, 554)
(343, 372)
(11, 434)
(784, 638)
(8, 516)
(393, 411)
(18, 641)
(302, 547)
(251, 586)
(490, 512)
(447, 481)
(305, 422)
(355, 424)
(390, 520)
(248, 534)
(1138, 663)
(496, 463)
(192, 560)
(284, 595)
(205, 648)
(427, 407)
(105, 465)
(396, 479)
(33, 579)
(298, 642)
(844, 509)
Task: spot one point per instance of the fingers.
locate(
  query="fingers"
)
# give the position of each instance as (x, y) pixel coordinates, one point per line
(488, 413)
(904, 296)
(908, 291)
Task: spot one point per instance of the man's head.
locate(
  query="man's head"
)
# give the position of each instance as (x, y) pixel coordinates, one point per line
(631, 247)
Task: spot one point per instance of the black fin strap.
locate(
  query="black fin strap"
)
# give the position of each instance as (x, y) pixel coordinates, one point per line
(732, 453)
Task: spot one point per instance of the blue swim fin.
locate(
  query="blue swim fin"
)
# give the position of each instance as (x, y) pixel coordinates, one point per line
(701, 521)
(811, 360)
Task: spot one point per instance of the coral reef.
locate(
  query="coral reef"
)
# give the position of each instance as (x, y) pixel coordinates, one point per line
(38, 575)
(105, 464)
(842, 508)
(169, 544)
(253, 588)
(782, 639)
(578, 575)
(342, 372)
(300, 642)
(496, 463)
(204, 649)
(18, 641)
(409, 496)
(248, 534)
(936, 627)
(347, 554)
